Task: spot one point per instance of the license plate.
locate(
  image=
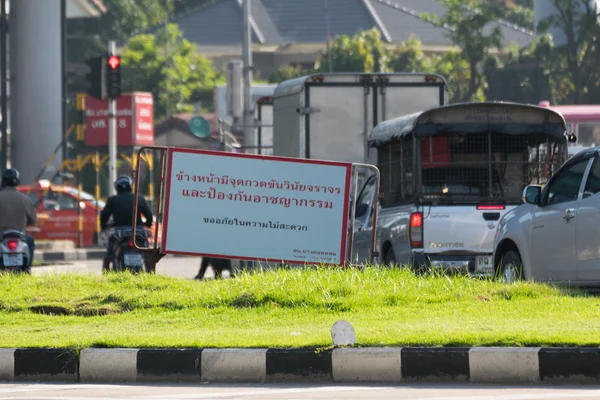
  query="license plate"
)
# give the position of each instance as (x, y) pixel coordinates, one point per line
(133, 259)
(12, 260)
(484, 262)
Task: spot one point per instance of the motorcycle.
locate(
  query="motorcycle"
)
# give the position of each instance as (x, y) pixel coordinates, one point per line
(14, 252)
(126, 256)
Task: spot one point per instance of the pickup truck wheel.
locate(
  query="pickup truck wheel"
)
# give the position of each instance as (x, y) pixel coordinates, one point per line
(511, 267)
(390, 257)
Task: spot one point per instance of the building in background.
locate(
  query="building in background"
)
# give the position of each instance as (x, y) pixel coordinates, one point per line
(177, 130)
(295, 32)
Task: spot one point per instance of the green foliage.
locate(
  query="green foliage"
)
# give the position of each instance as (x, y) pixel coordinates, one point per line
(457, 70)
(144, 66)
(183, 6)
(363, 52)
(466, 20)
(126, 17)
(578, 20)
(409, 57)
(521, 16)
(287, 72)
(526, 75)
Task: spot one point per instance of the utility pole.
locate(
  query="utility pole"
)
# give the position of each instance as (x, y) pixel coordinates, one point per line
(64, 89)
(329, 56)
(112, 133)
(4, 83)
(247, 52)
(167, 72)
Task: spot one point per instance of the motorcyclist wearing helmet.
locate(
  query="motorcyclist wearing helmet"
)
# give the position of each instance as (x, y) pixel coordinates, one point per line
(16, 209)
(120, 206)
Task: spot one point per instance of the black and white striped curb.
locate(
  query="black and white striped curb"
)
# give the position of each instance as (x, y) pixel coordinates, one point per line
(44, 256)
(72, 255)
(449, 364)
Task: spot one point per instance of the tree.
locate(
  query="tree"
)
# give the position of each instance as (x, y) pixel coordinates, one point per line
(364, 52)
(125, 18)
(144, 69)
(409, 57)
(578, 20)
(528, 75)
(287, 72)
(183, 6)
(453, 66)
(466, 21)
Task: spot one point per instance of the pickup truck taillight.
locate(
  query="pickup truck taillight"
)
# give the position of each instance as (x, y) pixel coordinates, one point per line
(415, 232)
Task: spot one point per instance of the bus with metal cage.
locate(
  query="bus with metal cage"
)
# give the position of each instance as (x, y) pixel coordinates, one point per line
(448, 175)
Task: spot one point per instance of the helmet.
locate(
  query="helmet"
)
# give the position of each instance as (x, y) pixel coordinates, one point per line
(123, 184)
(10, 177)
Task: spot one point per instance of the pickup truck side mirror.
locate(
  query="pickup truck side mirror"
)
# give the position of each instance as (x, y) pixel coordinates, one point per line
(361, 210)
(532, 194)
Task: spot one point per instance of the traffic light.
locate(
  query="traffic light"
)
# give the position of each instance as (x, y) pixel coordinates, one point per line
(96, 77)
(113, 77)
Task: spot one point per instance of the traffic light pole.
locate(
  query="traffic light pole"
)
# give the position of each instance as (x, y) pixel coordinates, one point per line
(4, 83)
(247, 53)
(112, 134)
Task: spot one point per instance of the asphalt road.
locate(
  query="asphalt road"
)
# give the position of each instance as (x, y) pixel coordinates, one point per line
(184, 267)
(294, 392)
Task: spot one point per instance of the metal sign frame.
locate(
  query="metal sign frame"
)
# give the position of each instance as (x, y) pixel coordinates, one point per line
(164, 150)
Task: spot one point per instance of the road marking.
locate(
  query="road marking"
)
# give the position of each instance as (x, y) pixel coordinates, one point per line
(566, 394)
(195, 395)
(249, 393)
(266, 392)
(49, 388)
(532, 396)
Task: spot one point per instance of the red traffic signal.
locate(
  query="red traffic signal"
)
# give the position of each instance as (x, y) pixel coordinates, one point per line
(113, 76)
(114, 61)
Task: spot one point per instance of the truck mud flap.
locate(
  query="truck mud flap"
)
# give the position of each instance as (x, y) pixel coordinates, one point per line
(420, 263)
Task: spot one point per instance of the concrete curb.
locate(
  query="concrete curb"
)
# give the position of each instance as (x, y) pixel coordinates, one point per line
(75, 255)
(509, 365)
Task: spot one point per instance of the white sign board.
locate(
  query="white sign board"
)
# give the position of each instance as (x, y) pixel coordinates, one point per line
(252, 207)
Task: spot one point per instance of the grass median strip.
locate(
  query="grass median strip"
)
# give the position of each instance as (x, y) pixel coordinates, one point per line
(290, 308)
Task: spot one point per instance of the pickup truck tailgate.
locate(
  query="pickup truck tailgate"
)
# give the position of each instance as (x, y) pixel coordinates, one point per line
(459, 229)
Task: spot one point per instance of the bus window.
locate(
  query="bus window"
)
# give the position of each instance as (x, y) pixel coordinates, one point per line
(588, 134)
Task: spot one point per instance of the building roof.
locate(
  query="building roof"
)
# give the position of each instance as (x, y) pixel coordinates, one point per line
(85, 8)
(280, 22)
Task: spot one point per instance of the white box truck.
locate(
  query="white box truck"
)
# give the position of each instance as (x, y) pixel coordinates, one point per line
(329, 116)
(263, 119)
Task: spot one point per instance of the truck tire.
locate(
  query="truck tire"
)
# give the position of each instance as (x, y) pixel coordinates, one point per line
(390, 258)
(511, 267)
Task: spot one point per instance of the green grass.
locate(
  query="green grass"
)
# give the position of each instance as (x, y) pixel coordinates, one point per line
(290, 308)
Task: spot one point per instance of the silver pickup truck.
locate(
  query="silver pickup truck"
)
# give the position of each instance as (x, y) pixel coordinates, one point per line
(447, 177)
